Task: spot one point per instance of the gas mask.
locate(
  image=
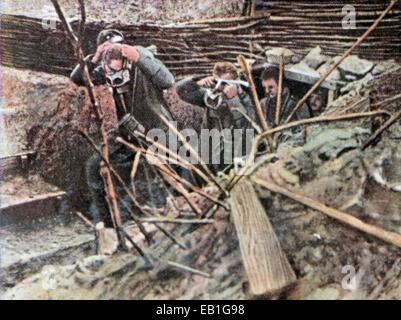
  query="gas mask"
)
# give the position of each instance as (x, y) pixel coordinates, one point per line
(213, 98)
(119, 78)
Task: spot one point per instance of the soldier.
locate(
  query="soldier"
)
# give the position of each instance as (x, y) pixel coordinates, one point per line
(270, 79)
(316, 103)
(223, 95)
(135, 75)
(226, 100)
(137, 79)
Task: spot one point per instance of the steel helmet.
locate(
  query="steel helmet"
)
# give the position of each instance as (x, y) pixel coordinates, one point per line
(112, 35)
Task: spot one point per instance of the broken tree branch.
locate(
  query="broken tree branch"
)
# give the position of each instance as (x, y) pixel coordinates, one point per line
(137, 248)
(192, 151)
(181, 190)
(177, 221)
(124, 186)
(344, 56)
(106, 175)
(245, 68)
(250, 160)
(175, 157)
(168, 171)
(133, 199)
(280, 91)
(134, 170)
(86, 220)
(197, 190)
(154, 161)
(387, 236)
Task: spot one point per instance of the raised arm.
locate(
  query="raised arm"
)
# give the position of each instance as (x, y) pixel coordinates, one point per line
(154, 69)
(77, 75)
(190, 91)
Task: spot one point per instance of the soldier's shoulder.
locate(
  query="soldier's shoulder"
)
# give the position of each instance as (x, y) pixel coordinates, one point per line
(151, 50)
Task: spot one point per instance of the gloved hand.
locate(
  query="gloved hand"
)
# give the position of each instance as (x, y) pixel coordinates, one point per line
(128, 125)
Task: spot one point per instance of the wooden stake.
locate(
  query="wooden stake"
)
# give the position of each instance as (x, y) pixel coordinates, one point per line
(101, 238)
(105, 173)
(192, 151)
(184, 192)
(280, 91)
(192, 187)
(154, 161)
(387, 236)
(245, 68)
(176, 221)
(175, 157)
(86, 220)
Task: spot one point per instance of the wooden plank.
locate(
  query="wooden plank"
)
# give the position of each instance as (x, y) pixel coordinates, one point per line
(266, 265)
(19, 209)
(16, 162)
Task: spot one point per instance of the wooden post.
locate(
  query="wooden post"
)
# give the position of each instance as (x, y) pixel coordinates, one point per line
(266, 265)
(101, 240)
(259, 111)
(280, 91)
(330, 98)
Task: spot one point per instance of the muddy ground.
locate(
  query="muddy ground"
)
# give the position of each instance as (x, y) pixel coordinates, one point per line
(321, 251)
(327, 166)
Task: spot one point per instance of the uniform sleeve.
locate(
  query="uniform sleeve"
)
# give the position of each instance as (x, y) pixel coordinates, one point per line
(154, 69)
(249, 106)
(97, 76)
(189, 91)
(239, 106)
(302, 113)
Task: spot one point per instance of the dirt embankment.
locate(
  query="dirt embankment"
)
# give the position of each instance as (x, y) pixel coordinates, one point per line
(45, 114)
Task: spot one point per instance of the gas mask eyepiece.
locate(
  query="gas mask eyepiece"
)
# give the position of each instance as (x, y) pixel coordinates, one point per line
(119, 78)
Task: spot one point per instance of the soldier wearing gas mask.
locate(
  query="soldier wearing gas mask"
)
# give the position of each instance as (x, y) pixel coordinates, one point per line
(226, 100)
(137, 79)
(225, 97)
(136, 76)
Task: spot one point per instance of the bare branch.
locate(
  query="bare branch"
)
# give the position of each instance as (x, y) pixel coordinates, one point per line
(105, 172)
(83, 21)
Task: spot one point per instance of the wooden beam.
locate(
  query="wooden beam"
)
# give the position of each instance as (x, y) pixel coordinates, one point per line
(16, 162)
(387, 236)
(266, 265)
(16, 209)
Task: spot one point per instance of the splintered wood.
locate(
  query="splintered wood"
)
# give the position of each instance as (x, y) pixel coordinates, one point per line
(266, 265)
